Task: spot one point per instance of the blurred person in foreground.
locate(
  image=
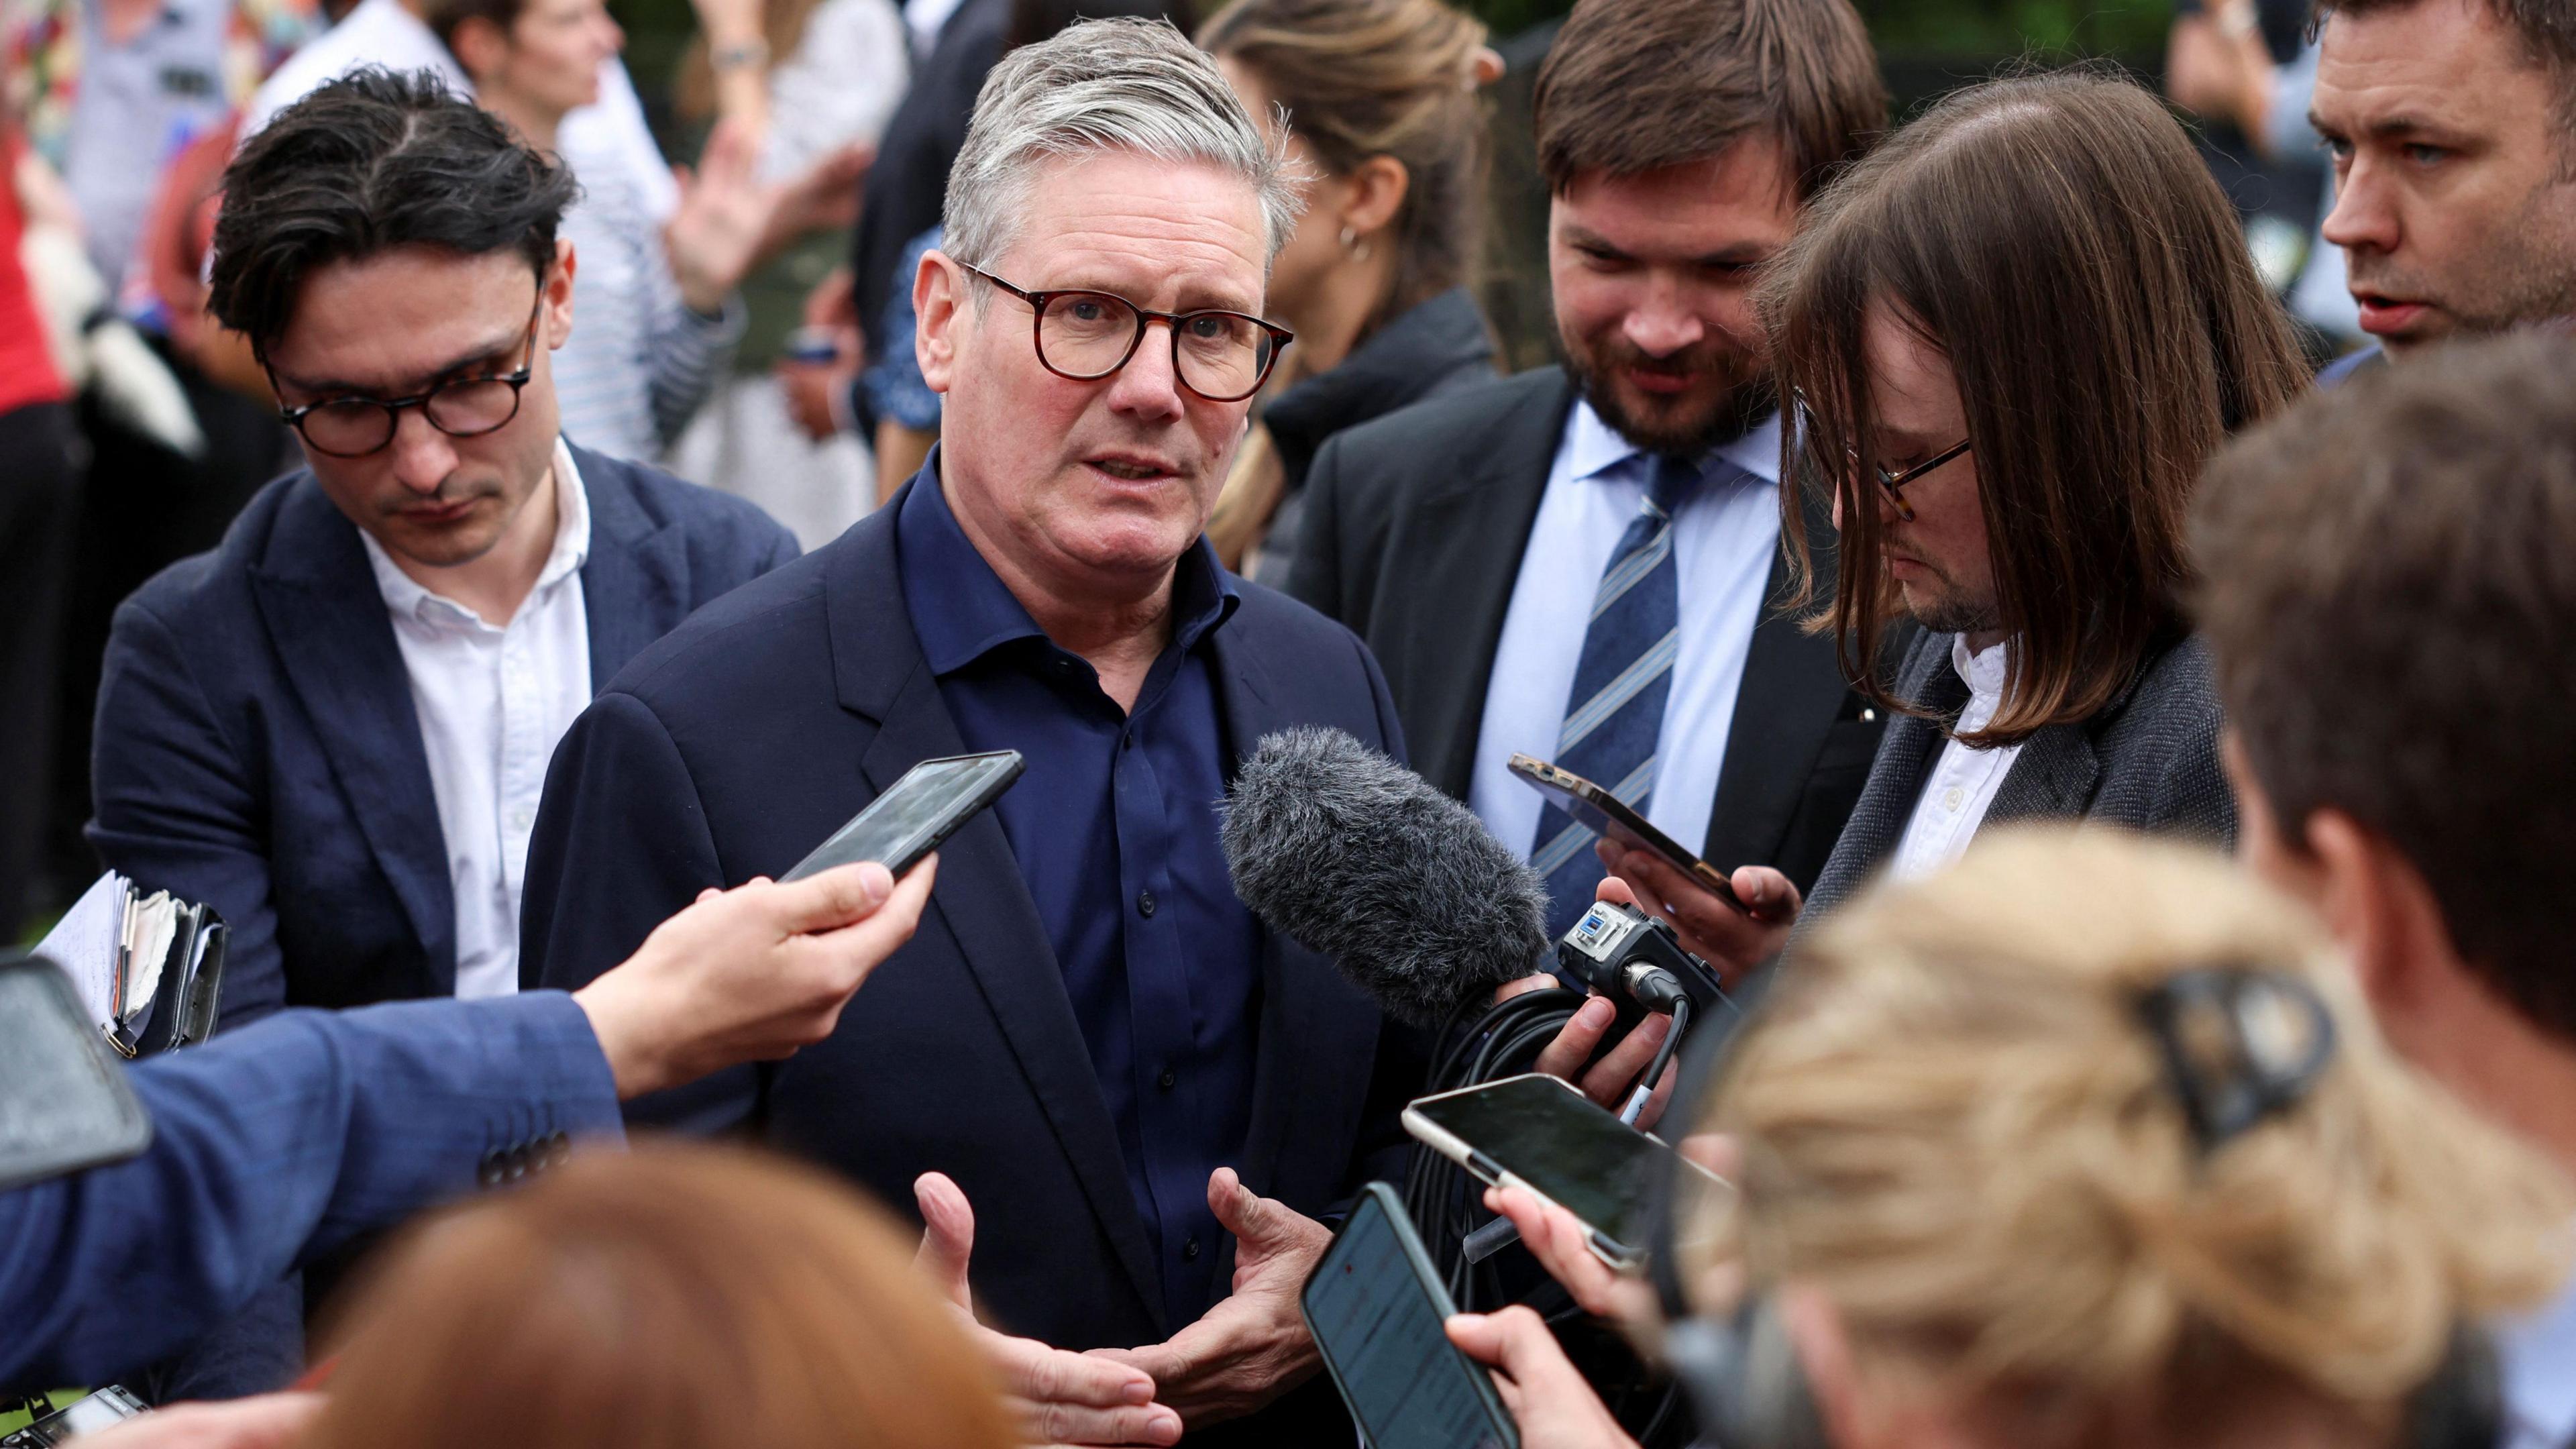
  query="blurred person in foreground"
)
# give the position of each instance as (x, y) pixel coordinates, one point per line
(1581, 563)
(2452, 125)
(2389, 596)
(2013, 334)
(2084, 1140)
(287, 1140)
(1148, 1098)
(1376, 100)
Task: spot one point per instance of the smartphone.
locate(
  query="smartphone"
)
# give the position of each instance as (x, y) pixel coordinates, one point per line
(1377, 1312)
(110, 1405)
(65, 1105)
(1536, 1132)
(922, 809)
(1603, 813)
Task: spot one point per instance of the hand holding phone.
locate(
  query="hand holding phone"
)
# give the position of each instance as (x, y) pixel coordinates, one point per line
(1379, 1316)
(913, 817)
(1605, 814)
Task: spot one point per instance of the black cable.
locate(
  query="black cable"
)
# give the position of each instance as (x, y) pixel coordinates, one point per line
(1681, 1014)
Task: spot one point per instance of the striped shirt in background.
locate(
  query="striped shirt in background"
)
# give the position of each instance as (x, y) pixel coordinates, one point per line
(639, 362)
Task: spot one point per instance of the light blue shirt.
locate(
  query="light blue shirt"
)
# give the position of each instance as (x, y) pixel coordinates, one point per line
(1724, 539)
(2539, 1354)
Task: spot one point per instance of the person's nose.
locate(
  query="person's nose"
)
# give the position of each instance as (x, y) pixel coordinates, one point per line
(2365, 212)
(1148, 387)
(1664, 322)
(422, 456)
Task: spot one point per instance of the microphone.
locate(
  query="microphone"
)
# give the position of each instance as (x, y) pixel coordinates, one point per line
(1339, 848)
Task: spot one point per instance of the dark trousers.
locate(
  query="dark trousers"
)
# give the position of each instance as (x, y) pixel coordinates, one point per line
(39, 499)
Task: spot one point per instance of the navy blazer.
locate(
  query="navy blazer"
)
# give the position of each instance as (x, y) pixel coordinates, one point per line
(257, 748)
(731, 748)
(275, 1145)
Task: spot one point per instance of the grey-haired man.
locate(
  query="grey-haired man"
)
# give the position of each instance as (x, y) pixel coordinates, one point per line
(1148, 1099)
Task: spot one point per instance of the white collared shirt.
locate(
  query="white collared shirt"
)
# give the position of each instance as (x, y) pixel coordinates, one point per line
(1723, 541)
(493, 703)
(1964, 780)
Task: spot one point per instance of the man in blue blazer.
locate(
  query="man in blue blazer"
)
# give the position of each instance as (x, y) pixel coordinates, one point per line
(333, 728)
(1147, 1099)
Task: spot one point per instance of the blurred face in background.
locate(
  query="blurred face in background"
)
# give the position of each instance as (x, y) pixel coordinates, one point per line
(1653, 279)
(548, 61)
(1313, 254)
(1091, 488)
(2455, 205)
(1938, 560)
(398, 324)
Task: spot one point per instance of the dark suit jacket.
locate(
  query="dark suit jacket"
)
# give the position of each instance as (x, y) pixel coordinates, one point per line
(2148, 762)
(257, 749)
(1415, 526)
(732, 747)
(274, 1145)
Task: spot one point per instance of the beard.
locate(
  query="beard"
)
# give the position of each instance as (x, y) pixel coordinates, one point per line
(1733, 393)
(2526, 275)
(1942, 608)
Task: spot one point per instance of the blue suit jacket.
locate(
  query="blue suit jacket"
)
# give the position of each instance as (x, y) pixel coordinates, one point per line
(257, 749)
(270, 1147)
(732, 747)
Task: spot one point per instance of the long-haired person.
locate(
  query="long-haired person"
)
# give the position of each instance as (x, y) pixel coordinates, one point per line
(685, 1296)
(1378, 99)
(2011, 337)
(2085, 1140)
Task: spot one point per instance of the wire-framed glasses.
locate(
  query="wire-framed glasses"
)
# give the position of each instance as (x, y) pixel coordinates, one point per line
(1085, 336)
(462, 407)
(1893, 481)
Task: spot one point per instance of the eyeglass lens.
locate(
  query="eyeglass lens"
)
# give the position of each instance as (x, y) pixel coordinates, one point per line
(1221, 355)
(465, 408)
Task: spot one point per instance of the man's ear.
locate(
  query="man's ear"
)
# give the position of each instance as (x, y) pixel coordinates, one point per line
(556, 318)
(940, 317)
(480, 46)
(2380, 908)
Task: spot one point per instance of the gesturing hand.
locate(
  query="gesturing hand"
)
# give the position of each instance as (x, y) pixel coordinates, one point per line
(714, 236)
(1253, 1346)
(1061, 1398)
(1541, 1387)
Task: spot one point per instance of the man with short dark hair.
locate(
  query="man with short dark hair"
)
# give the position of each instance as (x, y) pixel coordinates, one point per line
(334, 728)
(2388, 597)
(1576, 563)
(2452, 124)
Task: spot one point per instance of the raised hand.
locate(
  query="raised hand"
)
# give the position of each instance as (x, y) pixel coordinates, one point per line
(715, 235)
(1061, 1398)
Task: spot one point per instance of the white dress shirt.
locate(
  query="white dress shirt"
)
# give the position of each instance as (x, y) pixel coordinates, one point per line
(1723, 541)
(386, 33)
(493, 703)
(1964, 779)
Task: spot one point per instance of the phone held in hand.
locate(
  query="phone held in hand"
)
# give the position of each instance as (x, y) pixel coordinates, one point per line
(1379, 1314)
(1537, 1133)
(1603, 813)
(920, 811)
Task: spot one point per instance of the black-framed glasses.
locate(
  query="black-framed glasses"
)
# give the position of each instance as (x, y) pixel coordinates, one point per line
(464, 407)
(1893, 482)
(1085, 336)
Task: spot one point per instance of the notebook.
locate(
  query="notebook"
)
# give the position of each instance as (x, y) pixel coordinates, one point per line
(149, 969)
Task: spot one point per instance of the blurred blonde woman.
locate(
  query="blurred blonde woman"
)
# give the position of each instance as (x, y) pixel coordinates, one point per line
(1379, 103)
(2084, 1141)
(678, 1297)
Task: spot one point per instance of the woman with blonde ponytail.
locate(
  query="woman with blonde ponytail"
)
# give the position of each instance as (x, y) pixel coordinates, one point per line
(1375, 100)
(2090, 1141)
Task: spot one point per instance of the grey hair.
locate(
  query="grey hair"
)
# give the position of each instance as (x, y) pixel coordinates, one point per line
(1123, 84)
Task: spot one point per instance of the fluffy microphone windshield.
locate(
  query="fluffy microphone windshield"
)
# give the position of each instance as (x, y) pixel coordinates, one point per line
(1348, 853)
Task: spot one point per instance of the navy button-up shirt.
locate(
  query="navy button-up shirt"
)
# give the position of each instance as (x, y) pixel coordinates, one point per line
(1115, 829)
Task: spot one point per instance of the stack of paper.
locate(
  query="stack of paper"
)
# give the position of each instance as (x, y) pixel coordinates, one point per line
(149, 968)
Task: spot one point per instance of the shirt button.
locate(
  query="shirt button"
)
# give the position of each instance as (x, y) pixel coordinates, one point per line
(1168, 1079)
(1190, 1248)
(1954, 799)
(1145, 904)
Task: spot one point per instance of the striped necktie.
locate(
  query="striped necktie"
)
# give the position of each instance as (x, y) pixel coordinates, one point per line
(1615, 712)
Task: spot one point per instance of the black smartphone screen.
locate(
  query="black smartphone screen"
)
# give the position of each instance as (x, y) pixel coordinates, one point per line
(1378, 1317)
(1554, 1138)
(922, 809)
(64, 1101)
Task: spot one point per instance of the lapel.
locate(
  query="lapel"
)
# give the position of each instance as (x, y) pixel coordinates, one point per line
(1480, 519)
(1793, 691)
(335, 644)
(1905, 753)
(1298, 1023)
(2058, 769)
(635, 582)
(879, 675)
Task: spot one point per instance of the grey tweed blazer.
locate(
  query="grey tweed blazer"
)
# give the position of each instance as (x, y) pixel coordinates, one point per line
(2149, 761)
